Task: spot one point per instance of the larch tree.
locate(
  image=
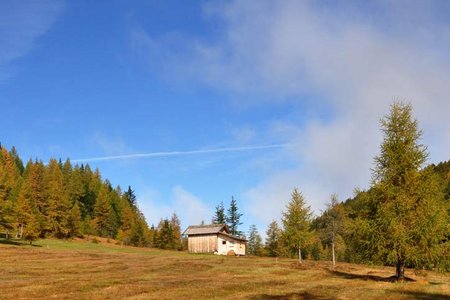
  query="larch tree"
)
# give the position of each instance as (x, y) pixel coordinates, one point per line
(176, 229)
(254, 244)
(409, 220)
(296, 222)
(75, 221)
(35, 181)
(233, 217)
(333, 224)
(164, 238)
(273, 239)
(10, 182)
(103, 214)
(57, 214)
(29, 225)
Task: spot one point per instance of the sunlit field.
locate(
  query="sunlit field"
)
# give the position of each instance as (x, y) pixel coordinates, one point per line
(85, 270)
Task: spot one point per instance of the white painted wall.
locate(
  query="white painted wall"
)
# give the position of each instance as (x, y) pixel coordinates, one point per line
(226, 244)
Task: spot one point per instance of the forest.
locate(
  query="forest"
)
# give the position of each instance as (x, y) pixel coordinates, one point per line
(401, 220)
(60, 200)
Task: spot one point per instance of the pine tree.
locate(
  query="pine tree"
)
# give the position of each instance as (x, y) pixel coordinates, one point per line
(296, 223)
(254, 244)
(233, 218)
(273, 239)
(409, 219)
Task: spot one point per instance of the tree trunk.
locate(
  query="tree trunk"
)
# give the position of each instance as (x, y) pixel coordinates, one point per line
(332, 253)
(400, 270)
(299, 253)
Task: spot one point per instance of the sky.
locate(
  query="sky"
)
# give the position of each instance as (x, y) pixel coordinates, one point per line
(193, 102)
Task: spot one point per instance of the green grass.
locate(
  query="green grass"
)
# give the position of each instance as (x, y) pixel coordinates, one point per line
(85, 270)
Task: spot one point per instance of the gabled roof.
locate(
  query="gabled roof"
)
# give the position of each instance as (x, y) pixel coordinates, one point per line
(206, 229)
(211, 229)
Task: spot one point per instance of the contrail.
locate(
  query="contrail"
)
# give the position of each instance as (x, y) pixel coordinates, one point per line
(179, 153)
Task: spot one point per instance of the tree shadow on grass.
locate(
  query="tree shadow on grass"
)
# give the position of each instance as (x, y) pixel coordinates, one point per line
(422, 296)
(368, 277)
(300, 295)
(16, 243)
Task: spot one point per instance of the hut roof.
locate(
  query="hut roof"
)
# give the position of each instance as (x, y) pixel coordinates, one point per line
(206, 229)
(211, 229)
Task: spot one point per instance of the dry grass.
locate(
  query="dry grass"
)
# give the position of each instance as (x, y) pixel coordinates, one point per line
(83, 270)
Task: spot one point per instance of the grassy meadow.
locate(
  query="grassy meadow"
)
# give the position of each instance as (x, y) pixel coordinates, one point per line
(85, 270)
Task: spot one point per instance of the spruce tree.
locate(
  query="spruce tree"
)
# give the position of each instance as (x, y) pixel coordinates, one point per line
(219, 215)
(409, 219)
(131, 197)
(233, 217)
(296, 223)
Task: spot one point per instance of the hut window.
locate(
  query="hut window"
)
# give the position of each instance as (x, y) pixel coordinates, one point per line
(224, 242)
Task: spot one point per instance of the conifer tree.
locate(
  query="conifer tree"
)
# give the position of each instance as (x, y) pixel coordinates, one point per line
(165, 234)
(219, 215)
(75, 221)
(131, 197)
(332, 224)
(296, 223)
(75, 188)
(273, 239)
(127, 222)
(176, 229)
(103, 214)
(6, 201)
(31, 231)
(254, 244)
(233, 218)
(408, 220)
(57, 214)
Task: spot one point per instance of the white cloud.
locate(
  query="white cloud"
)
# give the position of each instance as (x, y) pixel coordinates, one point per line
(21, 24)
(149, 202)
(189, 207)
(351, 61)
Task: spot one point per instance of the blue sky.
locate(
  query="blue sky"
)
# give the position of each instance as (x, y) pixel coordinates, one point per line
(89, 79)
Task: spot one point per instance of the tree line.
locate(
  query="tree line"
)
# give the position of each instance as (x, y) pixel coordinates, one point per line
(60, 200)
(402, 220)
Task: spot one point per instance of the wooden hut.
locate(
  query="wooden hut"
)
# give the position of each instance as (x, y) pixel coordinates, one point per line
(214, 238)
